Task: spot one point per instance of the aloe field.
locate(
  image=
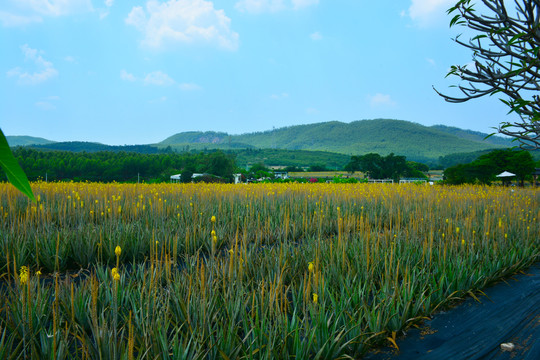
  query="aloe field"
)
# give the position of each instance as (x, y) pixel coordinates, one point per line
(266, 271)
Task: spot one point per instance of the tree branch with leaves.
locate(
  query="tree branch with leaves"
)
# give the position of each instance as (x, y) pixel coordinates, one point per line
(505, 54)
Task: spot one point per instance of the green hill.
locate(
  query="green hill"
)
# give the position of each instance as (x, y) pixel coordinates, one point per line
(84, 146)
(191, 137)
(383, 136)
(475, 135)
(279, 157)
(26, 140)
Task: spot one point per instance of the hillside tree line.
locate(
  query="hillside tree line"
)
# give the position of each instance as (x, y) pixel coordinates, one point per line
(485, 168)
(106, 166)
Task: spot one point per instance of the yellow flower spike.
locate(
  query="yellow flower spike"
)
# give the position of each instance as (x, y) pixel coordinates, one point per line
(315, 298)
(213, 233)
(114, 271)
(214, 239)
(506, 236)
(457, 230)
(213, 219)
(462, 241)
(311, 267)
(118, 250)
(24, 275)
(116, 277)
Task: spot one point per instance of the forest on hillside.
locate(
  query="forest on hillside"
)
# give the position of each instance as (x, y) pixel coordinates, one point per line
(106, 166)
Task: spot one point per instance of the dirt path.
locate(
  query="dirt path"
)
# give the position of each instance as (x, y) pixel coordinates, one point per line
(509, 314)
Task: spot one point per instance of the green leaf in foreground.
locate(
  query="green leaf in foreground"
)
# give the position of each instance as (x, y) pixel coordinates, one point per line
(13, 170)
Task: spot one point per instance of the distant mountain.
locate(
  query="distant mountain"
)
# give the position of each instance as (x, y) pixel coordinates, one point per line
(383, 136)
(332, 142)
(189, 137)
(26, 140)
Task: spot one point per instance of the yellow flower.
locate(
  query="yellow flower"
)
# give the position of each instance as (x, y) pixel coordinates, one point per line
(114, 271)
(310, 267)
(213, 219)
(116, 277)
(118, 250)
(457, 230)
(462, 241)
(315, 298)
(24, 275)
(213, 233)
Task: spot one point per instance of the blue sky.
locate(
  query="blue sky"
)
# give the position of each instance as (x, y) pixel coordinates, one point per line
(138, 71)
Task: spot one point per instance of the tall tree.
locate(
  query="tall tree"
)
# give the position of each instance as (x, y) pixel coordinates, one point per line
(376, 166)
(505, 54)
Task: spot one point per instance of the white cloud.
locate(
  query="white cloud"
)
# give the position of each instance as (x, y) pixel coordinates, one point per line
(158, 100)
(429, 12)
(272, 6)
(183, 21)
(44, 105)
(381, 100)
(12, 20)
(299, 4)
(189, 87)
(44, 69)
(158, 78)
(25, 12)
(316, 36)
(124, 75)
(56, 7)
(279, 96)
(260, 6)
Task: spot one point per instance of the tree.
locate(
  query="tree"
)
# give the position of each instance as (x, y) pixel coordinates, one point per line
(459, 174)
(221, 164)
(505, 61)
(317, 168)
(376, 166)
(485, 168)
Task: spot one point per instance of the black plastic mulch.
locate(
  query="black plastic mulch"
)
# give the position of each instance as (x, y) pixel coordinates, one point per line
(509, 314)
